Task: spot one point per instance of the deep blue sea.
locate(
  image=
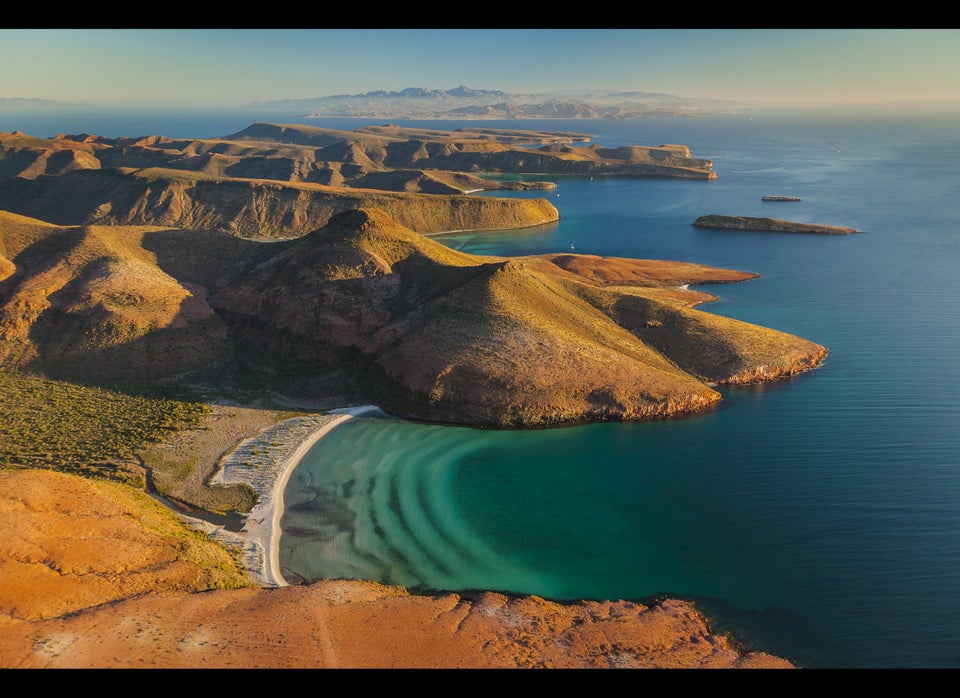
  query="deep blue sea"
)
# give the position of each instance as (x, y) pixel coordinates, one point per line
(817, 518)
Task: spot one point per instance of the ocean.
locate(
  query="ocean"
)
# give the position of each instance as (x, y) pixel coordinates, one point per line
(817, 518)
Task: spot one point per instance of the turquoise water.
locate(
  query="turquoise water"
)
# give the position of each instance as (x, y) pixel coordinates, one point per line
(818, 517)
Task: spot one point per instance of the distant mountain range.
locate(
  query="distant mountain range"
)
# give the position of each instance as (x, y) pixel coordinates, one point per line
(467, 103)
(28, 103)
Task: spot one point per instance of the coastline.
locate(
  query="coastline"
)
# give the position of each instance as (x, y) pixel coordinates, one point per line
(265, 462)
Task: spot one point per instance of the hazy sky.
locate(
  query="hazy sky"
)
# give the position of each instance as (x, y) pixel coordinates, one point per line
(236, 66)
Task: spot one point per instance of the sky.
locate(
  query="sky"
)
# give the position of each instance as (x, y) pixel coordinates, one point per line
(238, 66)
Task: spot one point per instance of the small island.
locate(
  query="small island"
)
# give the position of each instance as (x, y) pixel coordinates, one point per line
(772, 225)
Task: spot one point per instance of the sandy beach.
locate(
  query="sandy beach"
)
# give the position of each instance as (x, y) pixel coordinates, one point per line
(265, 462)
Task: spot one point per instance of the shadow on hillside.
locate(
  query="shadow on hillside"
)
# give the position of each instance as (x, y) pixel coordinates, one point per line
(209, 258)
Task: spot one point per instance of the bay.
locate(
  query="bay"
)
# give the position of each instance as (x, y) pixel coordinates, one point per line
(817, 518)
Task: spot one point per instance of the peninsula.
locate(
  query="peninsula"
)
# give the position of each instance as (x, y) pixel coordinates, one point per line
(773, 225)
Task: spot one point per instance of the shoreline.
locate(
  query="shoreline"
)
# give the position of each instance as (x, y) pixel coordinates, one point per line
(265, 462)
(274, 504)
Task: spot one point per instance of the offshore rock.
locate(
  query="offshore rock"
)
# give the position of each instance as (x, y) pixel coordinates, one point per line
(773, 225)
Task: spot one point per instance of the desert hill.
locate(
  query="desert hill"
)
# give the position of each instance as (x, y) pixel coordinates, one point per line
(295, 152)
(284, 180)
(91, 302)
(425, 331)
(492, 151)
(301, 149)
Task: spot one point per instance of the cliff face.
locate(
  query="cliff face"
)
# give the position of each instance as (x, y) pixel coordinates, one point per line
(69, 601)
(247, 208)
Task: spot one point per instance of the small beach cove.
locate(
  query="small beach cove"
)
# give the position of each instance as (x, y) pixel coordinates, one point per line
(264, 461)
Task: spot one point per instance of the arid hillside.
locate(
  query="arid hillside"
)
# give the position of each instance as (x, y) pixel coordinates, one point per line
(247, 208)
(422, 330)
(486, 150)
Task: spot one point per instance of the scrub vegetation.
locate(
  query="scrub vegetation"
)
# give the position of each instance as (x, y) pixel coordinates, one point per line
(84, 429)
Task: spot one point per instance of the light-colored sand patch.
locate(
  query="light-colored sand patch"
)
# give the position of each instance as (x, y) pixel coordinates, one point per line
(52, 646)
(200, 451)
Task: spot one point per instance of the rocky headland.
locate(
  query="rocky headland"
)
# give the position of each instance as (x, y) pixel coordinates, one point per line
(769, 225)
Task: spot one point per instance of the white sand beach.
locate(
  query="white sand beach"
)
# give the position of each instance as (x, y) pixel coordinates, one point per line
(265, 462)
